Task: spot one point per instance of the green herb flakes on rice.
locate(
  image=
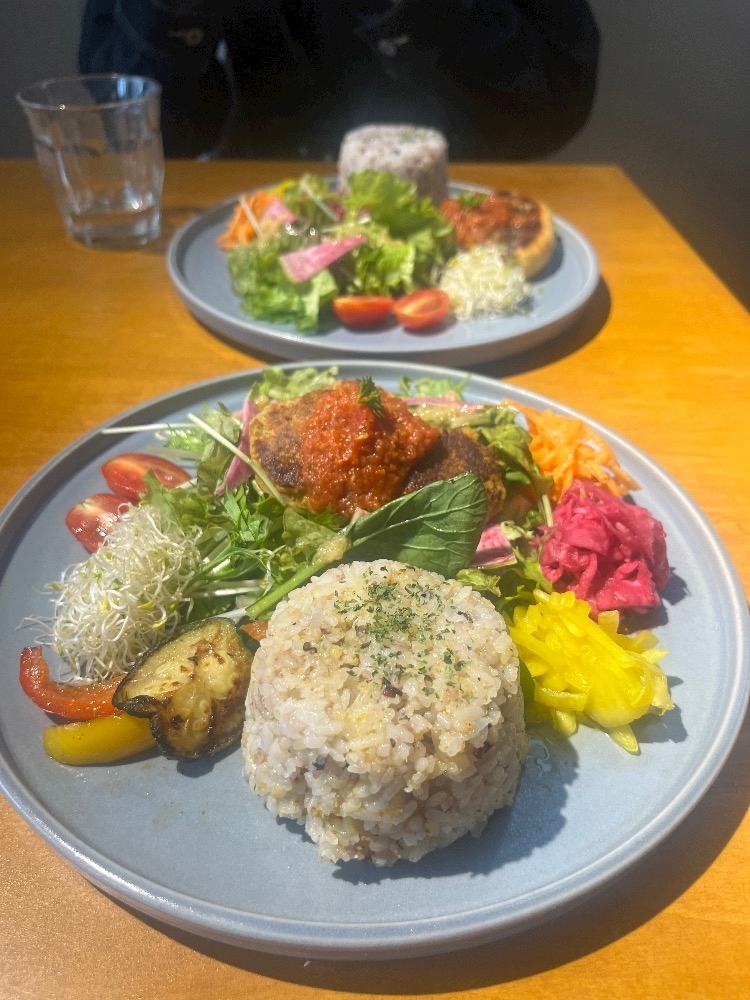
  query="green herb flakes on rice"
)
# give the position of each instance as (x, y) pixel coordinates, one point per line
(384, 712)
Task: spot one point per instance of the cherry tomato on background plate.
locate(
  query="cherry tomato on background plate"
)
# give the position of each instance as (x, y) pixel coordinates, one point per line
(421, 309)
(362, 310)
(92, 519)
(125, 474)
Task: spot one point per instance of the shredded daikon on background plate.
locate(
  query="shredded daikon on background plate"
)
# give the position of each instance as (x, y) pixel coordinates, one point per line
(483, 281)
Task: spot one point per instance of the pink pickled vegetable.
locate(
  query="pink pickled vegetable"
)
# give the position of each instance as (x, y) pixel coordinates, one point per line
(239, 471)
(301, 265)
(278, 212)
(609, 552)
(493, 549)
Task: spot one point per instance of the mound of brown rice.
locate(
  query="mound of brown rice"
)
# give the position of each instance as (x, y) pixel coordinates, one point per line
(384, 712)
(410, 152)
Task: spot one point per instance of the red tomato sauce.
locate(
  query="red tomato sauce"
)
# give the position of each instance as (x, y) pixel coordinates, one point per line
(354, 457)
(500, 218)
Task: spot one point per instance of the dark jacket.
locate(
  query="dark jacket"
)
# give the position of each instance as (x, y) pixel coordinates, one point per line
(287, 78)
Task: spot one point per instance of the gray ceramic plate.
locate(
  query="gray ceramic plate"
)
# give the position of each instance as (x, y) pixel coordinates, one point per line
(200, 275)
(190, 845)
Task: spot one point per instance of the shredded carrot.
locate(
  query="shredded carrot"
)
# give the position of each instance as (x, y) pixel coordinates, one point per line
(566, 448)
(245, 224)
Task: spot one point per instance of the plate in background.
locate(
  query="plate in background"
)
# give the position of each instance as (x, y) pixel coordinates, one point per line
(200, 275)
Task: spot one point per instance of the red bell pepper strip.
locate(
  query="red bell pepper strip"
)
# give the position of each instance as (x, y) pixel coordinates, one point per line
(256, 630)
(89, 701)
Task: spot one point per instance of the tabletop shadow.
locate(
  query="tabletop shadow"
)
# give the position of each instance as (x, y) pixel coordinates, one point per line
(583, 329)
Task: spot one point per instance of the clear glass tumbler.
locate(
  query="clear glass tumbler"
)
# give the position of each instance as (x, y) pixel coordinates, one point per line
(98, 142)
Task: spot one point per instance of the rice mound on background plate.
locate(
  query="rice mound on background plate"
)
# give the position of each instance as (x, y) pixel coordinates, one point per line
(410, 152)
(384, 712)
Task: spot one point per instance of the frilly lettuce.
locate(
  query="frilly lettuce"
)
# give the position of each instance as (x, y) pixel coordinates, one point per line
(407, 243)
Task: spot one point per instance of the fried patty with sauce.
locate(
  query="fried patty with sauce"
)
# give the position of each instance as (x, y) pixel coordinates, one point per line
(275, 441)
(457, 451)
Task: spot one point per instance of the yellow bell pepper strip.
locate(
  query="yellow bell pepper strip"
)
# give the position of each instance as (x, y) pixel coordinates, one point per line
(70, 701)
(98, 741)
(585, 670)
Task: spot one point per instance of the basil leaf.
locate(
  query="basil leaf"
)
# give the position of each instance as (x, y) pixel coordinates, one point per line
(436, 528)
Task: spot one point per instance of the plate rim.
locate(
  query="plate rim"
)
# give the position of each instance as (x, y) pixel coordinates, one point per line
(293, 345)
(271, 934)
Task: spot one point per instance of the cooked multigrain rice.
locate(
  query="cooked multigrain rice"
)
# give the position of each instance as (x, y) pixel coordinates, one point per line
(384, 712)
(410, 152)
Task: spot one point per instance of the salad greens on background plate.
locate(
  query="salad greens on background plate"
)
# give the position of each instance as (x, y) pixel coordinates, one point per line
(585, 811)
(200, 272)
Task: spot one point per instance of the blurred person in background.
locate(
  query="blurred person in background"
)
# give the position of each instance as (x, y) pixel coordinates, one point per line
(285, 79)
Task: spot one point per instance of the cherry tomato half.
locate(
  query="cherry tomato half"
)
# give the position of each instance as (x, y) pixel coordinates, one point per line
(362, 310)
(422, 308)
(125, 474)
(92, 519)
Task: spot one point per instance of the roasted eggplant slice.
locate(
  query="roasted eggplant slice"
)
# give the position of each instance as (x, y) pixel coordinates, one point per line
(193, 689)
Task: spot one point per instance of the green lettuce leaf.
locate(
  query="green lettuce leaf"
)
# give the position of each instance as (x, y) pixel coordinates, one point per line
(408, 239)
(434, 388)
(393, 203)
(276, 385)
(382, 267)
(268, 293)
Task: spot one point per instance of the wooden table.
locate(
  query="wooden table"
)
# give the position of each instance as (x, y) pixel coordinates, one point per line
(662, 356)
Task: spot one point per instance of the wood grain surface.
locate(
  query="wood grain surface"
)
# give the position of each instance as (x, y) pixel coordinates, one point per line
(662, 356)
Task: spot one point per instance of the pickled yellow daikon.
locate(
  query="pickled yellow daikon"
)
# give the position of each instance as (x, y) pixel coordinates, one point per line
(584, 670)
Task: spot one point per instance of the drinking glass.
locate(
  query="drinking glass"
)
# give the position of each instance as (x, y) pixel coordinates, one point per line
(98, 141)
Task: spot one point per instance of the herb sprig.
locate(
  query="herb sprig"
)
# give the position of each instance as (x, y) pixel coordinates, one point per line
(369, 395)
